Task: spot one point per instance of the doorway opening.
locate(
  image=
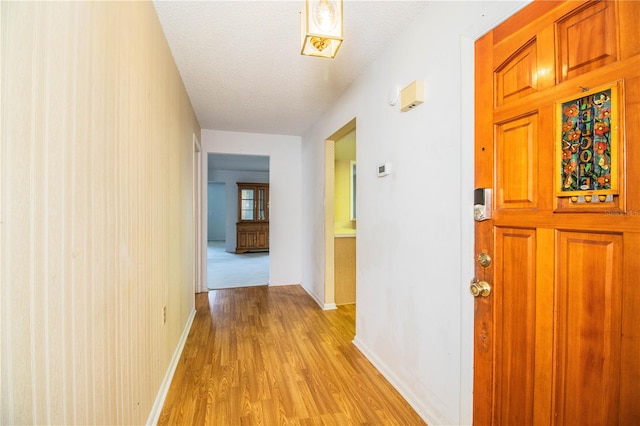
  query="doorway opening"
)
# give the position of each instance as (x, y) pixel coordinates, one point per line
(340, 217)
(225, 267)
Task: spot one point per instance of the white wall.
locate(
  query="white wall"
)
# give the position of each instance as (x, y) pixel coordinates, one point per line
(217, 211)
(414, 317)
(285, 219)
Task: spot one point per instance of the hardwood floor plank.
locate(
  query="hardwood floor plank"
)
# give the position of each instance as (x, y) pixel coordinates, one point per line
(270, 356)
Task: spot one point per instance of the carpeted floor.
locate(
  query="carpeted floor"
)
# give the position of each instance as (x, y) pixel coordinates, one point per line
(228, 270)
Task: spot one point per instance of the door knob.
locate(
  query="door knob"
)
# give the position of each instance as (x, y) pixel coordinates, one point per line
(480, 288)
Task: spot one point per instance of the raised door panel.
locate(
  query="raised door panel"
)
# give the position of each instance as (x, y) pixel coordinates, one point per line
(515, 316)
(586, 39)
(517, 77)
(251, 240)
(516, 159)
(262, 239)
(629, 16)
(630, 345)
(632, 150)
(246, 236)
(244, 240)
(589, 290)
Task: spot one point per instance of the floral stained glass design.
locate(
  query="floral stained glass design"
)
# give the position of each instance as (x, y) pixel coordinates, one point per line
(587, 144)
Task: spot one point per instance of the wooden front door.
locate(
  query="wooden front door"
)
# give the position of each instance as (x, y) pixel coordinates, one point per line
(557, 100)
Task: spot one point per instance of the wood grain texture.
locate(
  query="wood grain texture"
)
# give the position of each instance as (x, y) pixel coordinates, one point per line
(515, 317)
(484, 243)
(270, 356)
(588, 305)
(578, 346)
(517, 77)
(589, 26)
(516, 160)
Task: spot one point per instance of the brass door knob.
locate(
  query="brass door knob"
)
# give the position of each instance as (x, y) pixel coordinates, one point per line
(484, 260)
(480, 288)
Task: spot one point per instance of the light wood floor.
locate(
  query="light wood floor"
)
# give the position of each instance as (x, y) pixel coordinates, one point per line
(271, 356)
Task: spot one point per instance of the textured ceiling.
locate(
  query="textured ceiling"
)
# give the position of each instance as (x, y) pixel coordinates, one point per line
(240, 60)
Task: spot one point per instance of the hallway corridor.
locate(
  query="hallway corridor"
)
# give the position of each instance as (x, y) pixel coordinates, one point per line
(270, 356)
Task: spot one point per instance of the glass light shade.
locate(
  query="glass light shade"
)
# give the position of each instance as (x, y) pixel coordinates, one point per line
(321, 28)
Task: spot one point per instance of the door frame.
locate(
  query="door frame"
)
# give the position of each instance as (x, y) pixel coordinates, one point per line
(205, 206)
(197, 217)
(329, 213)
(467, 225)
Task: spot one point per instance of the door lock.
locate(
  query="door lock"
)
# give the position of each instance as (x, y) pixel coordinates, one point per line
(484, 260)
(480, 288)
(482, 204)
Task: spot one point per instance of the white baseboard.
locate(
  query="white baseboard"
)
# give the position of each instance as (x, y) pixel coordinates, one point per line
(428, 414)
(324, 306)
(329, 306)
(154, 415)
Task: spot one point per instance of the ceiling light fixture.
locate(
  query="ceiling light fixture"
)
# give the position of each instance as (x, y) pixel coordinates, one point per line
(321, 28)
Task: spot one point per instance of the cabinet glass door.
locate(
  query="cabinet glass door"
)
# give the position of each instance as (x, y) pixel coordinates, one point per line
(247, 201)
(262, 204)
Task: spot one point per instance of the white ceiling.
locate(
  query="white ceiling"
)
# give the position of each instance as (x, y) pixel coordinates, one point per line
(240, 60)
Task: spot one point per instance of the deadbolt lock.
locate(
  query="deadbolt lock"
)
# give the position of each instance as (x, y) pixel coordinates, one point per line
(484, 260)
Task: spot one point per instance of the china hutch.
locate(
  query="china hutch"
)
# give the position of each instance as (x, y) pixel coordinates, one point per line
(252, 228)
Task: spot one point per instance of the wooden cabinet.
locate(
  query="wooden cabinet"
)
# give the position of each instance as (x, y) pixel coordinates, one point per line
(252, 228)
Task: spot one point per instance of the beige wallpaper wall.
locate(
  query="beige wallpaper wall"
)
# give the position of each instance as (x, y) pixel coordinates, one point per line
(96, 208)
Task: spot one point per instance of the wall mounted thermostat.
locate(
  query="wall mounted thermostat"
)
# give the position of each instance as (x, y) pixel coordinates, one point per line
(384, 169)
(482, 204)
